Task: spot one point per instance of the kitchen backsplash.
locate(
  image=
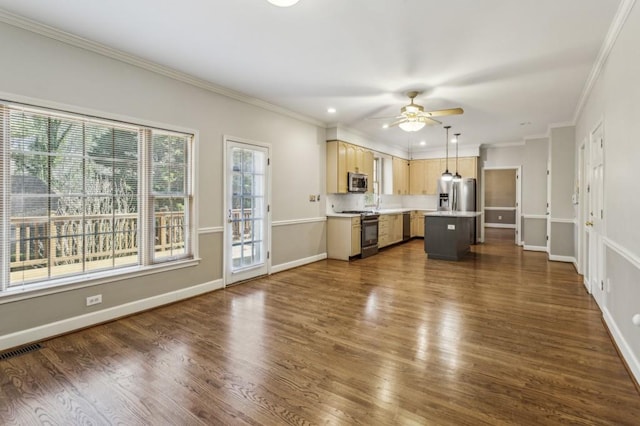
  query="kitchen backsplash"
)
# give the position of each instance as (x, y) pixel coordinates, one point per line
(342, 202)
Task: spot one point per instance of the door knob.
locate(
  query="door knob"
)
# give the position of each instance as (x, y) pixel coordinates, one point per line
(589, 223)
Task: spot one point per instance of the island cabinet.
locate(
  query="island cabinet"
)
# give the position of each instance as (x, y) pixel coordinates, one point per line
(342, 158)
(401, 177)
(343, 237)
(389, 229)
(417, 223)
(447, 234)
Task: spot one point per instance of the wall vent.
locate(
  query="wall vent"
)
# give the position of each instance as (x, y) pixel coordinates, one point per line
(20, 351)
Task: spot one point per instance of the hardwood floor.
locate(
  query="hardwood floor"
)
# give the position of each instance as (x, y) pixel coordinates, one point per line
(503, 337)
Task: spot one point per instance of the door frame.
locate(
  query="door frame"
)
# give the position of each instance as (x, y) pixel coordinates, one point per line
(226, 256)
(518, 170)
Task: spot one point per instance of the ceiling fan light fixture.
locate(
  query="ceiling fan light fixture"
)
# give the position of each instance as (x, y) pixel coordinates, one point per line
(411, 125)
(283, 3)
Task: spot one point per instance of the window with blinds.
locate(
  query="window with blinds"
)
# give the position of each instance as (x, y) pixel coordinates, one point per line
(83, 195)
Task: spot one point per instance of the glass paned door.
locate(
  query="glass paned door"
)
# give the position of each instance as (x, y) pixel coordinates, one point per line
(247, 211)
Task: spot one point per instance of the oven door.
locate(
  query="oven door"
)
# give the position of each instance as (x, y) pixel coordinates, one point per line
(369, 236)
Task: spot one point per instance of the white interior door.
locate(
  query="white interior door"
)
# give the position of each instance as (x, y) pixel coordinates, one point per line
(583, 260)
(247, 230)
(595, 221)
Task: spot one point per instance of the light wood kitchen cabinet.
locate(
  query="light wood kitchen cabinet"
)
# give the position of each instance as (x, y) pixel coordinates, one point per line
(467, 166)
(400, 176)
(389, 229)
(342, 158)
(343, 237)
(417, 223)
(356, 236)
(432, 172)
(383, 231)
(417, 177)
(424, 174)
(396, 228)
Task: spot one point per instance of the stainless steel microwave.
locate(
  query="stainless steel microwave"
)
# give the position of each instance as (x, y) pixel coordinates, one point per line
(358, 182)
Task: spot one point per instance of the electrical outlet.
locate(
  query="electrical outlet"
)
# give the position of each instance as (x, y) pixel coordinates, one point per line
(499, 217)
(608, 285)
(451, 227)
(94, 300)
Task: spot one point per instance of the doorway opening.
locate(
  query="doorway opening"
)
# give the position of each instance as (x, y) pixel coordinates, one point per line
(501, 201)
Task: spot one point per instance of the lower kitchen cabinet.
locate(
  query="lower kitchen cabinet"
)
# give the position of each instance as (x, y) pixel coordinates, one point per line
(389, 229)
(343, 237)
(356, 236)
(417, 223)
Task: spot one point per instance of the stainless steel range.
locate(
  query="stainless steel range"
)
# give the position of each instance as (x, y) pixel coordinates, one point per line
(369, 232)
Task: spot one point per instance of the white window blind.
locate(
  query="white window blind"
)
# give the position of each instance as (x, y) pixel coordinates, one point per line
(77, 197)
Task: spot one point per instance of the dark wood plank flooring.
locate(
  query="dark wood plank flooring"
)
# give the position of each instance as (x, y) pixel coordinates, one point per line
(503, 337)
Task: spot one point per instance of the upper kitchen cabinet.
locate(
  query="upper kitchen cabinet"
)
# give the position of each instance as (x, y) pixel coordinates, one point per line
(467, 166)
(417, 181)
(423, 176)
(400, 176)
(342, 158)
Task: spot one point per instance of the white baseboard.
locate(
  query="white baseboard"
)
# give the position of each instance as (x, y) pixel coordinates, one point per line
(289, 265)
(86, 320)
(499, 225)
(534, 248)
(568, 259)
(628, 355)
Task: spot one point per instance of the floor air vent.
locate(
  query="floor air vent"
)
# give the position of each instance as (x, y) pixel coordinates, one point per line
(20, 351)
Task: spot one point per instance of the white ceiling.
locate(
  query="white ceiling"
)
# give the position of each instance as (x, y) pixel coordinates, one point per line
(505, 62)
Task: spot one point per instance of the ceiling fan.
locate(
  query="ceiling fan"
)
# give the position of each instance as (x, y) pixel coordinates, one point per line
(413, 117)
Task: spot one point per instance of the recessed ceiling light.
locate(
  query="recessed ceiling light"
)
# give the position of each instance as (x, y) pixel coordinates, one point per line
(423, 143)
(385, 126)
(331, 110)
(283, 3)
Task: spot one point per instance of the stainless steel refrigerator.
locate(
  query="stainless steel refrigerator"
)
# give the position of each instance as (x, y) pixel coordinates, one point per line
(458, 196)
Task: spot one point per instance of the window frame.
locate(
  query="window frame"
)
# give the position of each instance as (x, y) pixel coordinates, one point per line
(145, 264)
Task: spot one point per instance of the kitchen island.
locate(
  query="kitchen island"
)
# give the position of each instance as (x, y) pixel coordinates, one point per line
(447, 235)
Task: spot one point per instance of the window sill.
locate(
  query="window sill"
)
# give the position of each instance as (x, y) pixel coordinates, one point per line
(89, 280)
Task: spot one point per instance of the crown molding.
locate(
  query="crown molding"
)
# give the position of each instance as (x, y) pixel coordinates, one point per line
(502, 144)
(562, 124)
(73, 40)
(612, 35)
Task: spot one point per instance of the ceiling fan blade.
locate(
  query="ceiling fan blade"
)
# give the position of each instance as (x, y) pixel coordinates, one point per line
(441, 112)
(429, 121)
(395, 123)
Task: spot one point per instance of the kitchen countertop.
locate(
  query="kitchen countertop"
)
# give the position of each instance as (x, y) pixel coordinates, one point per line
(380, 211)
(454, 214)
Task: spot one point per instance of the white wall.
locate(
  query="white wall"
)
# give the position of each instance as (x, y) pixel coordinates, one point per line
(504, 156)
(534, 177)
(615, 101)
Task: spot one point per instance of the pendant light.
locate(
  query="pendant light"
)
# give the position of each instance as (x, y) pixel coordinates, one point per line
(457, 177)
(446, 176)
